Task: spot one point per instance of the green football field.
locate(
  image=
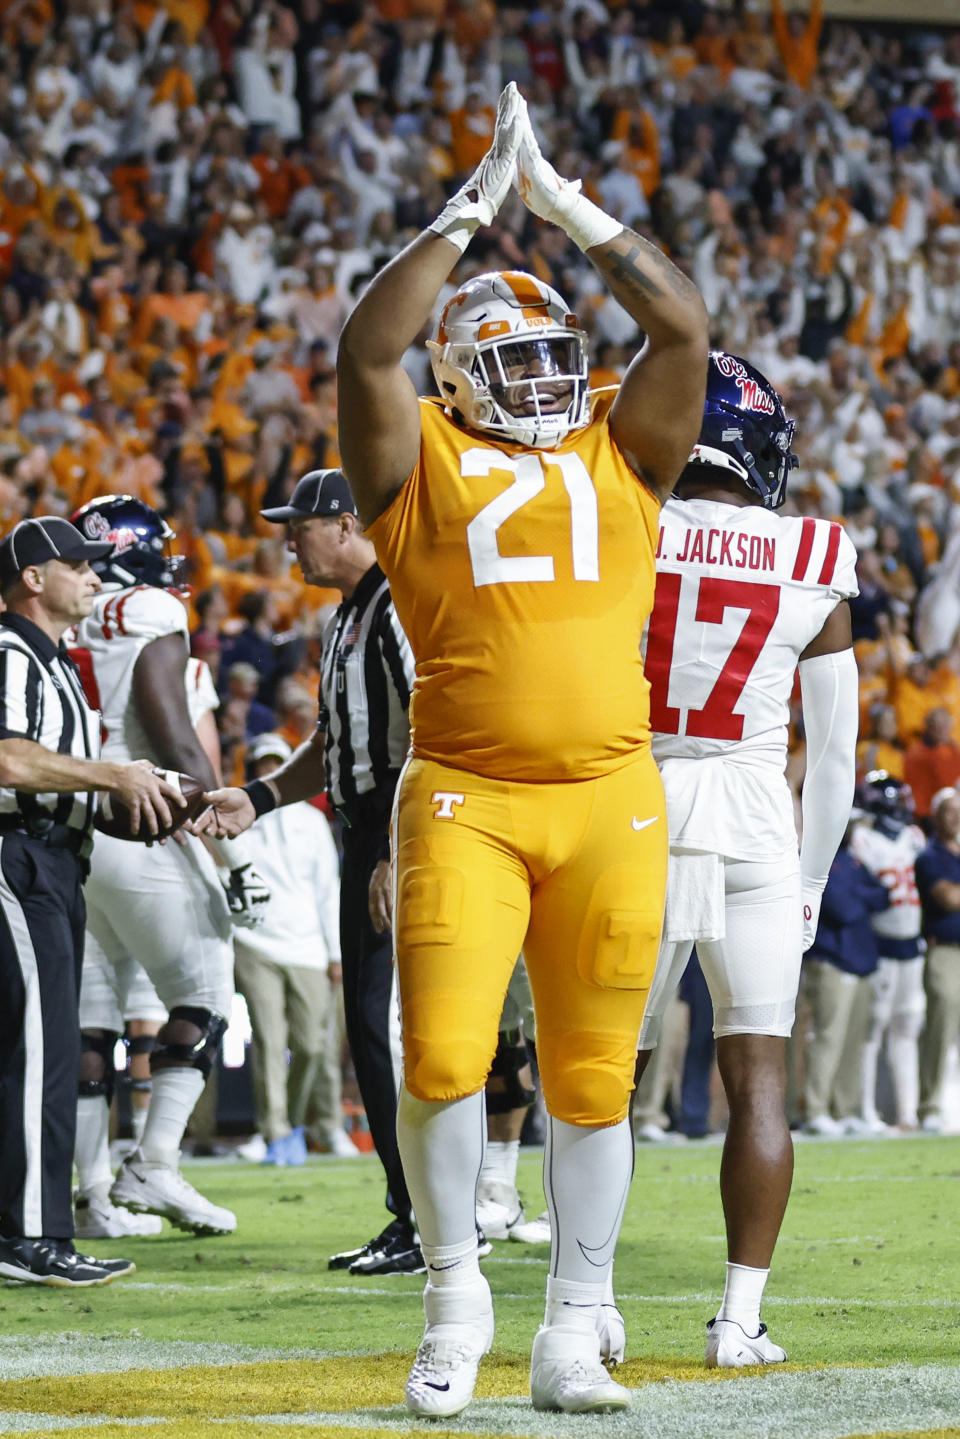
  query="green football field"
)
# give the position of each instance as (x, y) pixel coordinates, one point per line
(252, 1335)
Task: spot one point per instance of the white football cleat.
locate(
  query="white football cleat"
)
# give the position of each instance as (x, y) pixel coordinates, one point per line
(458, 1334)
(154, 1189)
(566, 1374)
(825, 1126)
(730, 1347)
(342, 1145)
(861, 1126)
(96, 1218)
(498, 1208)
(532, 1231)
(612, 1332)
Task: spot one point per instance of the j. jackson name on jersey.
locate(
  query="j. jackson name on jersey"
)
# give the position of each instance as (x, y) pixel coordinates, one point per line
(720, 547)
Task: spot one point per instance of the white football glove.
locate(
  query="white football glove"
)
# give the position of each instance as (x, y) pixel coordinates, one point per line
(247, 894)
(559, 201)
(811, 897)
(480, 198)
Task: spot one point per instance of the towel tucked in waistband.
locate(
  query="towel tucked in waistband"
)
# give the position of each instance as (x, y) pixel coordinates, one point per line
(695, 897)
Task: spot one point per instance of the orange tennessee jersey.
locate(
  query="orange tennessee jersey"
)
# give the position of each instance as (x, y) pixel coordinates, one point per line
(523, 579)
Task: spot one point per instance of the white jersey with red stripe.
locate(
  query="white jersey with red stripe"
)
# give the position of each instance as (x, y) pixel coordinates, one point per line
(121, 625)
(892, 860)
(202, 694)
(741, 593)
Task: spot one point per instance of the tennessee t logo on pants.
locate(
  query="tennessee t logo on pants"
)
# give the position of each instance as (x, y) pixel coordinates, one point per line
(446, 801)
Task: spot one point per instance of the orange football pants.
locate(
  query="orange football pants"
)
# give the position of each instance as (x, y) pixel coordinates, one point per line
(573, 875)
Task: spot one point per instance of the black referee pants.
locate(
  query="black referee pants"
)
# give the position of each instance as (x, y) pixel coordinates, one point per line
(367, 982)
(41, 951)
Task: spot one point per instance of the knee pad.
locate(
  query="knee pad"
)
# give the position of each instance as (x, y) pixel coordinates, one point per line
(510, 1058)
(168, 1054)
(586, 1082)
(99, 1042)
(439, 1073)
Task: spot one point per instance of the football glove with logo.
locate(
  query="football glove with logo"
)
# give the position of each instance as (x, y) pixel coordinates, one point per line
(559, 201)
(478, 201)
(247, 894)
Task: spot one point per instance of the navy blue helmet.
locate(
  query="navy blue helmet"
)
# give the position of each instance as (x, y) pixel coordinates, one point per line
(745, 429)
(141, 540)
(888, 800)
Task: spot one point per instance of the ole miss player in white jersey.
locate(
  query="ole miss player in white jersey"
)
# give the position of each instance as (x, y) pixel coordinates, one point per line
(163, 906)
(743, 596)
(886, 842)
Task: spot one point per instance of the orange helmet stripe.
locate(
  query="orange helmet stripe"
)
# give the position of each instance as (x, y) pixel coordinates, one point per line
(525, 287)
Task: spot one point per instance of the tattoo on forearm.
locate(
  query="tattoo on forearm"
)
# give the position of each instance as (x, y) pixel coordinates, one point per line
(633, 270)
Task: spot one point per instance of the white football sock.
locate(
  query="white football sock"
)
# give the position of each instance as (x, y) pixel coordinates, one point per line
(586, 1178)
(451, 1265)
(869, 1057)
(441, 1146)
(500, 1161)
(572, 1305)
(903, 1056)
(92, 1147)
(742, 1297)
(138, 1122)
(175, 1093)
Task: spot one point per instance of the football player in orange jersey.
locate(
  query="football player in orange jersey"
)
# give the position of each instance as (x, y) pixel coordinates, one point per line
(517, 519)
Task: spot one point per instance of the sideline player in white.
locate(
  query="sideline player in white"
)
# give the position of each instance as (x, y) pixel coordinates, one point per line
(162, 905)
(887, 842)
(743, 596)
(118, 997)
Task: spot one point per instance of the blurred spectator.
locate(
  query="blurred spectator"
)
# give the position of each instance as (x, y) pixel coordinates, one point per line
(283, 967)
(841, 957)
(246, 711)
(932, 762)
(938, 880)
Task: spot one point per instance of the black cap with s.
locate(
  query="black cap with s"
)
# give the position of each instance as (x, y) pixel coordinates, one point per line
(321, 494)
(33, 542)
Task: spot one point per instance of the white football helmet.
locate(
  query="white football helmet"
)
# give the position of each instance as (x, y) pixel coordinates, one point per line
(512, 360)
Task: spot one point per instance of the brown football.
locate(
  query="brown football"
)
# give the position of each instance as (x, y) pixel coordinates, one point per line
(113, 816)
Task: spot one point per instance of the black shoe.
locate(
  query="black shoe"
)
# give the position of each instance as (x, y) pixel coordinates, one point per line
(484, 1247)
(398, 1254)
(396, 1229)
(56, 1262)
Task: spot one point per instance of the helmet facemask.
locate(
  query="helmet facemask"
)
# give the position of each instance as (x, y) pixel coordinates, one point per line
(514, 365)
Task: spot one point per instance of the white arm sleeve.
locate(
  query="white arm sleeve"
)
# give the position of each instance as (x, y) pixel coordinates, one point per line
(829, 687)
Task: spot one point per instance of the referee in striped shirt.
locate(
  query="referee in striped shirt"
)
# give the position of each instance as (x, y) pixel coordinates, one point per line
(50, 773)
(361, 742)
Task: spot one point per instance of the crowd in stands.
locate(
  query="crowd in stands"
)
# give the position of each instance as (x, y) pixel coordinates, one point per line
(193, 192)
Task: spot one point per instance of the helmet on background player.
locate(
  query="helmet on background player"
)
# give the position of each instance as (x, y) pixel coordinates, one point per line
(745, 430)
(888, 800)
(511, 360)
(141, 540)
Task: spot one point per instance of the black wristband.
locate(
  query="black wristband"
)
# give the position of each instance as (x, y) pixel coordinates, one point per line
(261, 795)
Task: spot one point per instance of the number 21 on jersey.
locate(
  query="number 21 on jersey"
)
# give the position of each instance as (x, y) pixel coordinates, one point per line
(716, 719)
(490, 567)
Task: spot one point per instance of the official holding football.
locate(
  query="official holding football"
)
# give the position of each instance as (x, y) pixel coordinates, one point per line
(366, 676)
(50, 773)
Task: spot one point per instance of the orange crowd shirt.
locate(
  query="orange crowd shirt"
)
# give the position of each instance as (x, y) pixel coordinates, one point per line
(523, 580)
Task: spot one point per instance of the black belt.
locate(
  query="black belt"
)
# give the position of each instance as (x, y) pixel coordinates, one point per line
(56, 836)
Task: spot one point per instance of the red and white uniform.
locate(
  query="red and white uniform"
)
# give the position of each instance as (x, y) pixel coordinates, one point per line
(741, 593)
(163, 905)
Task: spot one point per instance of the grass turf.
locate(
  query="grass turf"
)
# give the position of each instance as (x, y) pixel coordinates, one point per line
(866, 1274)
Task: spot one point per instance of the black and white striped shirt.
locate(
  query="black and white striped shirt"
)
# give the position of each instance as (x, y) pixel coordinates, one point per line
(42, 699)
(366, 677)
